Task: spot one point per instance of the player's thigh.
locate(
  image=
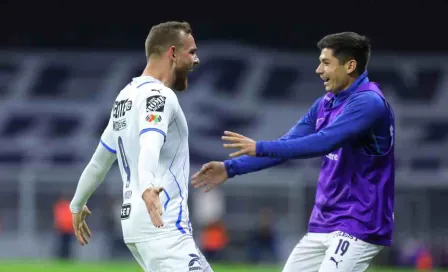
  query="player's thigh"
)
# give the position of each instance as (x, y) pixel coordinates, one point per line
(134, 250)
(346, 253)
(176, 253)
(308, 254)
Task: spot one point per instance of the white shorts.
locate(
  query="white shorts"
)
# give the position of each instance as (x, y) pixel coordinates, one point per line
(327, 252)
(176, 253)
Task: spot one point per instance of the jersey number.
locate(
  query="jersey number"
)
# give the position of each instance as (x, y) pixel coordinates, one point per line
(124, 161)
(342, 246)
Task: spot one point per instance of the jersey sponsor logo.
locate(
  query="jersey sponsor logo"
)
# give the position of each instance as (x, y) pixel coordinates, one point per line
(119, 125)
(333, 156)
(155, 103)
(153, 118)
(121, 107)
(125, 211)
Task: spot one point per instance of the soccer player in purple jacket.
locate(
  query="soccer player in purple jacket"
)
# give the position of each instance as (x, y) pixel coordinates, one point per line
(352, 128)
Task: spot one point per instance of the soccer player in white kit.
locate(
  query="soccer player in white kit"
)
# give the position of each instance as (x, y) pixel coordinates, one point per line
(148, 134)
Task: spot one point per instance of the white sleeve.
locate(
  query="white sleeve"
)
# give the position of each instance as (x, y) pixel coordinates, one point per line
(92, 176)
(107, 138)
(150, 145)
(157, 110)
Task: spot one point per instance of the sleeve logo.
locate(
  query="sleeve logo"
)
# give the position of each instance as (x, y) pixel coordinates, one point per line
(155, 103)
(153, 118)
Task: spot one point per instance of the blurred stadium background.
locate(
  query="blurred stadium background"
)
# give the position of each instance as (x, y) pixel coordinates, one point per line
(62, 66)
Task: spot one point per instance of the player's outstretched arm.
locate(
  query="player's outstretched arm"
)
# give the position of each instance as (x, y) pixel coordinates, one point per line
(360, 113)
(214, 173)
(90, 179)
(248, 164)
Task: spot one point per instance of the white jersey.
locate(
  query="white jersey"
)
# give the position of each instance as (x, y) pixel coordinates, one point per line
(147, 106)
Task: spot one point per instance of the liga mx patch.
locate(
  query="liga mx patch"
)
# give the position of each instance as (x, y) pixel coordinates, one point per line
(155, 103)
(153, 118)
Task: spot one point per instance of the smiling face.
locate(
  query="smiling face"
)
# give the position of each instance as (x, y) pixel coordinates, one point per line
(335, 73)
(172, 44)
(344, 57)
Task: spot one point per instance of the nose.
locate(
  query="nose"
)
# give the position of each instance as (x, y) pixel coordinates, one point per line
(196, 61)
(319, 69)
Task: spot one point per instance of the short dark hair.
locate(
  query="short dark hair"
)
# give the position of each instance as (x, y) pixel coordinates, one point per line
(347, 46)
(164, 35)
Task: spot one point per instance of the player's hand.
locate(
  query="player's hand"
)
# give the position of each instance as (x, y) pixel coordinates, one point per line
(80, 227)
(211, 175)
(246, 145)
(152, 201)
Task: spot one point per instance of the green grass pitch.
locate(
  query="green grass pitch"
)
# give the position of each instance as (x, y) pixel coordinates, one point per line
(53, 266)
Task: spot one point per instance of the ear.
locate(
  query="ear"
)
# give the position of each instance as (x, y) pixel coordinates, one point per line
(172, 53)
(350, 66)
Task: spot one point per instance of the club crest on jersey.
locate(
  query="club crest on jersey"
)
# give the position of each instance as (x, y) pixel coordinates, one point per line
(153, 118)
(155, 103)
